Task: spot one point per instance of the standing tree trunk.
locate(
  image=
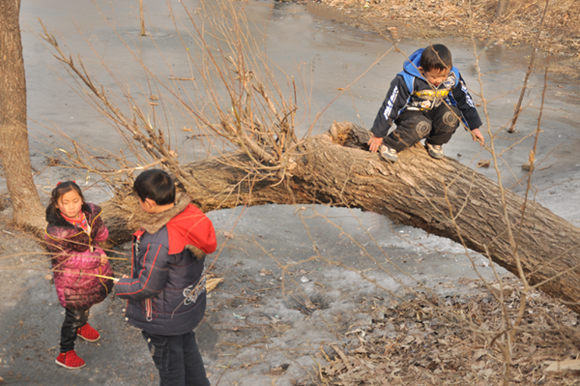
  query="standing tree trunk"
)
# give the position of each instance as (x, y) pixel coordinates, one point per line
(14, 152)
(142, 18)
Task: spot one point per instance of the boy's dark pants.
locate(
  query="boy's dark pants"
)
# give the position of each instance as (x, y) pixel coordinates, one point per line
(177, 358)
(437, 126)
(73, 320)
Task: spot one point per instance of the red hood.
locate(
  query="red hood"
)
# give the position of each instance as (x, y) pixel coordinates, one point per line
(191, 227)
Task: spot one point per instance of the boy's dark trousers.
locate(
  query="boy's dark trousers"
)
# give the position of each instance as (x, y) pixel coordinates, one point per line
(437, 126)
(177, 358)
(73, 320)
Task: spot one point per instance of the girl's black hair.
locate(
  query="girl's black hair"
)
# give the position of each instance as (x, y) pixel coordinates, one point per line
(436, 57)
(53, 215)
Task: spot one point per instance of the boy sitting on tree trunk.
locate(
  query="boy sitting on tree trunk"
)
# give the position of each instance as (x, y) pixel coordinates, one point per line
(426, 101)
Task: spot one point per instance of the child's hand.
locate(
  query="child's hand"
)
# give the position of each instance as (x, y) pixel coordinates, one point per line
(104, 259)
(374, 143)
(116, 280)
(477, 136)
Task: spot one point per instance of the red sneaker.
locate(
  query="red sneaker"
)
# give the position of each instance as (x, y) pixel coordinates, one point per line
(88, 333)
(70, 360)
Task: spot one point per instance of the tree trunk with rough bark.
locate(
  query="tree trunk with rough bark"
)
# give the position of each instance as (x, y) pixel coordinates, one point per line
(443, 197)
(14, 152)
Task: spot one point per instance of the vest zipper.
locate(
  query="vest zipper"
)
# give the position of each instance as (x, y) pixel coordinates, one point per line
(148, 310)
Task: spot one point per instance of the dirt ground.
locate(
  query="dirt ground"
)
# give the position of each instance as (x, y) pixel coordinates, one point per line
(431, 19)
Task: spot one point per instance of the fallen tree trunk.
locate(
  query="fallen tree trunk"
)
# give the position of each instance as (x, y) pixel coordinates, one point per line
(443, 197)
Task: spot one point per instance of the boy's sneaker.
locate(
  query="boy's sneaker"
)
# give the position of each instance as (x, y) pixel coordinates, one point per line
(435, 151)
(70, 360)
(88, 333)
(388, 153)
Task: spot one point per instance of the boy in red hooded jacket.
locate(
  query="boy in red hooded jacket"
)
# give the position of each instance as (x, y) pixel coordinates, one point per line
(166, 292)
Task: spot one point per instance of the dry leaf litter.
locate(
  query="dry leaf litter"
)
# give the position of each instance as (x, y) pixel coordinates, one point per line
(458, 341)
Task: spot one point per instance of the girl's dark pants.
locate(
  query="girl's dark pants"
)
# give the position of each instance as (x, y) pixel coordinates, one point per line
(177, 358)
(73, 320)
(436, 126)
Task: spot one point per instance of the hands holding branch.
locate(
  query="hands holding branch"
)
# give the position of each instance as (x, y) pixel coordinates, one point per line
(115, 280)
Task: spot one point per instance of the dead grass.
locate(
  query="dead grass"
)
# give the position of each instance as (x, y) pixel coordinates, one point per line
(418, 343)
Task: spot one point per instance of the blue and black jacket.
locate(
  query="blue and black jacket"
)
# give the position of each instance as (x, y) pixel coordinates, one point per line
(410, 91)
(166, 292)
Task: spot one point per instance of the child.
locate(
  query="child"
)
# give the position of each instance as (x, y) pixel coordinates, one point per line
(166, 291)
(426, 100)
(75, 229)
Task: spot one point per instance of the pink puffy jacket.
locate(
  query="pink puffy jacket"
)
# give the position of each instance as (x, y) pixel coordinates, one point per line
(76, 259)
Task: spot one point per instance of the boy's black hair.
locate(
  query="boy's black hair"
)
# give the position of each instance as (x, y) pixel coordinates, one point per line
(436, 57)
(156, 185)
(53, 214)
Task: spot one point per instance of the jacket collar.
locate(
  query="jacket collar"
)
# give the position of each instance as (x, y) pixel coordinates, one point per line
(153, 222)
(55, 218)
(411, 66)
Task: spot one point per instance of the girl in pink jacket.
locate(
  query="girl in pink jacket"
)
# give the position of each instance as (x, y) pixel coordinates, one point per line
(75, 229)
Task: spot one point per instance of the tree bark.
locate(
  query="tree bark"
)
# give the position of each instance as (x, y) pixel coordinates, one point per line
(14, 152)
(443, 197)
